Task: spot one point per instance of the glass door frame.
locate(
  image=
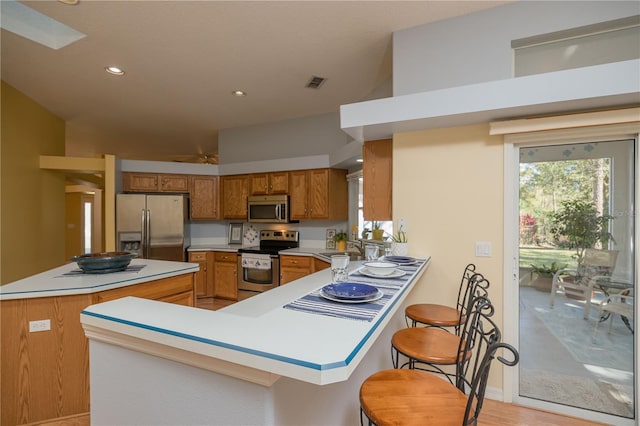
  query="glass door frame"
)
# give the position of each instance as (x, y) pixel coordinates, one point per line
(512, 145)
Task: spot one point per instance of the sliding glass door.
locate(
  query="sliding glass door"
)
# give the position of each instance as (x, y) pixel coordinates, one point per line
(576, 277)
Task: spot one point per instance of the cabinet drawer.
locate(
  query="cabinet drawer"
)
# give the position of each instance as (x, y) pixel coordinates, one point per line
(295, 261)
(199, 256)
(221, 256)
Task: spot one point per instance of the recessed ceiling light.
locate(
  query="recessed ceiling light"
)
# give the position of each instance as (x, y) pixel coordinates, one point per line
(69, 2)
(114, 70)
(359, 160)
(239, 93)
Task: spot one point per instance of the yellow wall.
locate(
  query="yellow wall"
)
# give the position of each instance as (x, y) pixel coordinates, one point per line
(32, 200)
(448, 186)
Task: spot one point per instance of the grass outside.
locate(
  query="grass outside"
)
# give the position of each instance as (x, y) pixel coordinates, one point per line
(546, 256)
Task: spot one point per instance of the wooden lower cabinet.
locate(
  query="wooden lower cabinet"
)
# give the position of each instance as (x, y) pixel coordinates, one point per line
(45, 374)
(204, 277)
(225, 282)
(294, 267)
(319, 265)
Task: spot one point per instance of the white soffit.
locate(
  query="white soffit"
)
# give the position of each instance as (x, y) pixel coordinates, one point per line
(35, 26)
(600, 86)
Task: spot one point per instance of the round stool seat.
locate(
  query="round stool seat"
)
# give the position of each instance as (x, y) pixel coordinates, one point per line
(431, 345)
(436, 315)
(411, 397)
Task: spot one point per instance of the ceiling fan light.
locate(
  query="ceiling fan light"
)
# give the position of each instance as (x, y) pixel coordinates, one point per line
(114, 70)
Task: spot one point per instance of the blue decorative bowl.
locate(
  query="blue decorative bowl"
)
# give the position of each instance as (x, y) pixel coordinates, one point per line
(103, 263)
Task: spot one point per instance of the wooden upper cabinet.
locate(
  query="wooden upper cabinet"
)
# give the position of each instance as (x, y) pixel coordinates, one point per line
(155, 182)
(319, 194)
(270, 183)
(377, 176)
(235, 190)
(298, 194)
(204, 197)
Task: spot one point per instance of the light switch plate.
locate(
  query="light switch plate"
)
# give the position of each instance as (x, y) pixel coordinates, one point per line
(483, 249)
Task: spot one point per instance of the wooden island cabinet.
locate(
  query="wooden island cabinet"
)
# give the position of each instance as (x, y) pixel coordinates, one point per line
(45, 353)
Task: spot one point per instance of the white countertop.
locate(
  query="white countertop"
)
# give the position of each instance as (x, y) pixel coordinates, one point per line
(257, 334)
(299, 251)
(62, 281)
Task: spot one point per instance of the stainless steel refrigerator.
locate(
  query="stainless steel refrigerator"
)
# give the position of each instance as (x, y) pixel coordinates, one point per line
(153, 226)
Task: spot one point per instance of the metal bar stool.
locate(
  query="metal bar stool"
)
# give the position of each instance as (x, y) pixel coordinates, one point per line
(413, 397)
(442, 316)
(431, 348)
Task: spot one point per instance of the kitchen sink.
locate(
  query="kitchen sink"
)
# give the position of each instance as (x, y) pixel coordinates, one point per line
(352, 255)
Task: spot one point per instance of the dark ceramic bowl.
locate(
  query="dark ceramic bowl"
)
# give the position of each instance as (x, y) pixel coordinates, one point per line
(102, 263)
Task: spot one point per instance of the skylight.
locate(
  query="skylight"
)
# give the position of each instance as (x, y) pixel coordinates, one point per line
(35, 26)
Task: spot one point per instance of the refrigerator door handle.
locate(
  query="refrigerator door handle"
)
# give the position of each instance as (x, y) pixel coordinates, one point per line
(148, 232)
(143, 243)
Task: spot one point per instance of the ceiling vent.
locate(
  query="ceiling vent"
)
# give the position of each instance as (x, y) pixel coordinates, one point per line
(315, 82)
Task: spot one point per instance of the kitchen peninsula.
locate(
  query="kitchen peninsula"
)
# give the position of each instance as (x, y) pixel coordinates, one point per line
(45, 357)
(256, 362)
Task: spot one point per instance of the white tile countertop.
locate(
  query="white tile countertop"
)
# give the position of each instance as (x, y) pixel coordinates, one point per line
(67, 280)
(257, 339)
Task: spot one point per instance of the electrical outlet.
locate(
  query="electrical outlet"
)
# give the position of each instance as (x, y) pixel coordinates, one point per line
(41, 325)
(483, 249)
(402, 225)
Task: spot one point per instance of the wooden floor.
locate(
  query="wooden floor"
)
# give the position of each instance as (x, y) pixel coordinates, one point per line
(493, 414)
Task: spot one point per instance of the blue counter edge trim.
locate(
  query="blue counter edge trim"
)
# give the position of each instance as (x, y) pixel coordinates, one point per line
(218, 343)
(320, 367)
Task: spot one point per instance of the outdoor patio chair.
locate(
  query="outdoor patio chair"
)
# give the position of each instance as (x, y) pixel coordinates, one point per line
(580, 282)
(619, 303)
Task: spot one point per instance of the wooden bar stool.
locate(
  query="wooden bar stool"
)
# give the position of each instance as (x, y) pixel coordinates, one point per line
(433, 315)
(432, 348)
(414, 397)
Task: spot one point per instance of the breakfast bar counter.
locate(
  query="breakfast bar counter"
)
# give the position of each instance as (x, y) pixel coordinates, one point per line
(281, 357)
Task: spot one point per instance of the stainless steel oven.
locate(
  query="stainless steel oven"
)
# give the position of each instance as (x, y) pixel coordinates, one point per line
(259, 267)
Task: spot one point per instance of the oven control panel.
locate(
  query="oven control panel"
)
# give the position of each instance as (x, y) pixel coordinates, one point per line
(273, 235)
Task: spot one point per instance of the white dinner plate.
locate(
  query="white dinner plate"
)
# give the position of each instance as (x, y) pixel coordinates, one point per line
(395, 274)
(337, 299)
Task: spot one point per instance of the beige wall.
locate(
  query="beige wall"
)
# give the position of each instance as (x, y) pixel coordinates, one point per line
(32, 200)
(447, 185)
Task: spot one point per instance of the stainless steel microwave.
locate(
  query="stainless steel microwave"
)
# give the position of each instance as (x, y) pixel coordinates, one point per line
(268, 208)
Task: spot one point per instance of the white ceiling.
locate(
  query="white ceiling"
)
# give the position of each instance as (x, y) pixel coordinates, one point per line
(184, 58)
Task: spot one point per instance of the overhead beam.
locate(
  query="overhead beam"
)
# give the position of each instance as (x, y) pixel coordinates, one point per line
(72, 164)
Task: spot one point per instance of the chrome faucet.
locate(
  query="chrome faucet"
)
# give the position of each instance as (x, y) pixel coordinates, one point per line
(358, 245)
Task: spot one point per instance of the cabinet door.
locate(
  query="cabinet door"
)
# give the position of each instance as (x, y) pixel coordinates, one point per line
(174, 183)
(140, 182)
(319, 194)
(226, 280)
(225, 275)
(204, 197)
(377, 177)
(204, 277)
(298, 194)
(235, 190)
(259, 184)
(279, 183)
